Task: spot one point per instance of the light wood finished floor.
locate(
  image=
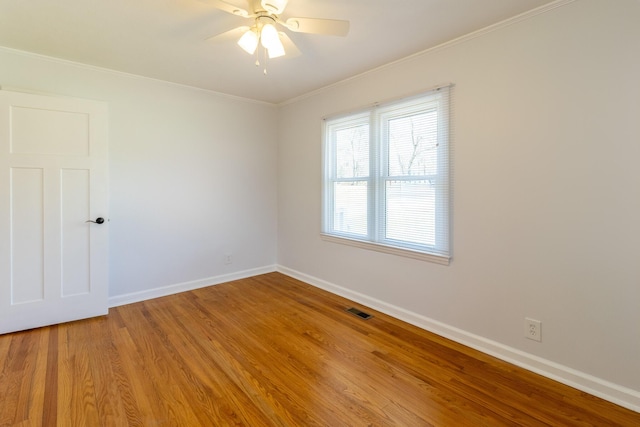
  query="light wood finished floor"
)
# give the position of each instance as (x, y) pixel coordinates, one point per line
(270, 351)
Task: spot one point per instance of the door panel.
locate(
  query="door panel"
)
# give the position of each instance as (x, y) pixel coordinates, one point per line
(75, 187)
(53, 179)
(57, 132)
(27, 240)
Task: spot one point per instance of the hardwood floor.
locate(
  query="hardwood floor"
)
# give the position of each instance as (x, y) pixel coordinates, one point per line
(270, 351)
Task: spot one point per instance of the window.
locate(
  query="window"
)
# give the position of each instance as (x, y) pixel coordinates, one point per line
(386, 177)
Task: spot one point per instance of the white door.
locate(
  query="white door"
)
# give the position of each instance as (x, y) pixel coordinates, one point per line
(53, 178)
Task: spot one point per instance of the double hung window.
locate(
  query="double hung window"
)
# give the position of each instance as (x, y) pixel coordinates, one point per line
(386, 177)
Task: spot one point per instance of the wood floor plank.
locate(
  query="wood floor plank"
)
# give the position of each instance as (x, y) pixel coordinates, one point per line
(50, 389)
(12, 378)
(27, 366)
(104, 371)
(5, 345)
(270, 351)
(137, 392)
(34, 397)
(77, 400)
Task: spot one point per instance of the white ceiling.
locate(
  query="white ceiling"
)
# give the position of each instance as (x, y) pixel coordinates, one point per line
(166, 39)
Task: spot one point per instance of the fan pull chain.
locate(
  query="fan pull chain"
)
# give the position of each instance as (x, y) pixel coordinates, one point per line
(265, 61)
(258, 57)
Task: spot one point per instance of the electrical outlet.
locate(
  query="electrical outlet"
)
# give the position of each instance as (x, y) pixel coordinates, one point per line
(228, 259)
(533, 329)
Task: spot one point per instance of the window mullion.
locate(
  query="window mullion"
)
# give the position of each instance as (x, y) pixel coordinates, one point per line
(376, 168)
(331, 177)
(383, 176)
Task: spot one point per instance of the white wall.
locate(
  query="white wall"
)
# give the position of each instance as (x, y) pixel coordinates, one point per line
(192, 175)
(546, 199)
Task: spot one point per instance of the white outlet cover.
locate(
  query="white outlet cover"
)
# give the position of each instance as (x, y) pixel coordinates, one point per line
(533, 329)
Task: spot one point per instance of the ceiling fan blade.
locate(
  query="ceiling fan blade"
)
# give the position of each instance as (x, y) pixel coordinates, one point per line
(234, 35)
(274, 6)
(331, 27)
(289, 46)
(228, 7)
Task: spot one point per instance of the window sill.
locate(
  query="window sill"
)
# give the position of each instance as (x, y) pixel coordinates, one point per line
(407, 253)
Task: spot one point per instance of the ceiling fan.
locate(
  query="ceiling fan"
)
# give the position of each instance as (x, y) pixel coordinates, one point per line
(263, 27)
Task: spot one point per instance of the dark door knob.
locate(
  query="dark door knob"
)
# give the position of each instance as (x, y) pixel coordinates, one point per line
(98, 220)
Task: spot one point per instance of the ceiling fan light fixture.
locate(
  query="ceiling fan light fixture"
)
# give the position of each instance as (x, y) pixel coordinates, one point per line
(276, 50)
(249, 41)
(269, 36)
(274, 6)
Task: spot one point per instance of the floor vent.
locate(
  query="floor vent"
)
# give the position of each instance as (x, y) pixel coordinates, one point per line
(359, 313)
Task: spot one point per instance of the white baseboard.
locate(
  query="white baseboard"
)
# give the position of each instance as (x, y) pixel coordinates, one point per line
(163, 291)
(606, 390)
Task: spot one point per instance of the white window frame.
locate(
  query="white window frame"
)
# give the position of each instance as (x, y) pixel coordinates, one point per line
(378, 117)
